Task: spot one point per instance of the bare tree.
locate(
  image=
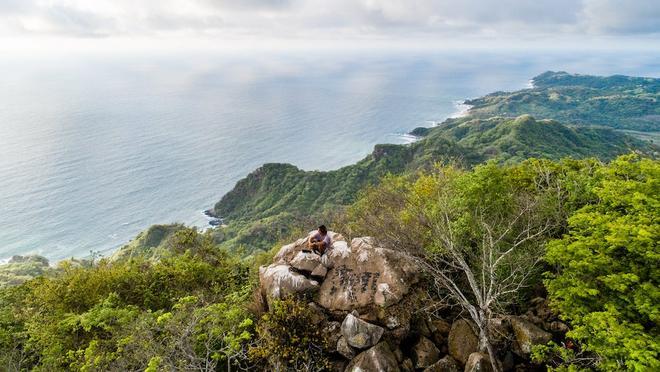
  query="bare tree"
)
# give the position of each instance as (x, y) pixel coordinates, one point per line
(482, 256)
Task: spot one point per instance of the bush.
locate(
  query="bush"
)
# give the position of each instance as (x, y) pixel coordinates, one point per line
(288, 340)
(608, 268)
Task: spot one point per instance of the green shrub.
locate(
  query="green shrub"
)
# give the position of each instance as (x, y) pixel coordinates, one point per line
(608, 268)
(288, 340)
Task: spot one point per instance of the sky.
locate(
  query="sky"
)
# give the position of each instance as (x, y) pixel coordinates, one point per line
(39, 24)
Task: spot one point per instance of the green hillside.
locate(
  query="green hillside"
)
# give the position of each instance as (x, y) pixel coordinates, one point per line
(277, 188)
(617, 101)
(22, 268)
(513, 140)
(151, 243)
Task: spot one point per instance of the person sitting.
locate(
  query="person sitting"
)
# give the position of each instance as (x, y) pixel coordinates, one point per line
(320, 241)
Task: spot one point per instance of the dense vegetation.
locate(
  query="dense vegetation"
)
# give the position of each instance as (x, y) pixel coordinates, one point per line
(621, 102)
(601, 226)
(606, 277)
(193, 305)
(276, 188)
(186, 310)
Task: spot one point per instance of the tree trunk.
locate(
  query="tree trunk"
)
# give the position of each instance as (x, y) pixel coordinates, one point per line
(486, 346)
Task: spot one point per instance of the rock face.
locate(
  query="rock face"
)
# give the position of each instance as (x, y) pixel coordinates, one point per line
(425, 353)
(305, 261)
(478, 362)
(528, 335)
(446, 364)
(360, 334)
(363, 275)
(377, 359)
(344, 348)
(462, 341)
(278, 281)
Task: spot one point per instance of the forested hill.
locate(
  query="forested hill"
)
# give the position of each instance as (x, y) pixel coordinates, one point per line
(277, 188)
(621, 102)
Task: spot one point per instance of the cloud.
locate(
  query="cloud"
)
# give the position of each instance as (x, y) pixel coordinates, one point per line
(313, 19)
(622, 17)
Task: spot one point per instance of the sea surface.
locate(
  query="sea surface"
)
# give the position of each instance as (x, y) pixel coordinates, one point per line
(96, 148)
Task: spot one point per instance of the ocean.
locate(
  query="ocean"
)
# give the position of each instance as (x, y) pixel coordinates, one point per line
(96, 148)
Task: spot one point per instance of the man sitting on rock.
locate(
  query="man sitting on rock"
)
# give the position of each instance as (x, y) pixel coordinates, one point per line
(320, 241)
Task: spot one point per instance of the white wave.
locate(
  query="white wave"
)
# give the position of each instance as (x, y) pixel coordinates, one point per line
(462, 109)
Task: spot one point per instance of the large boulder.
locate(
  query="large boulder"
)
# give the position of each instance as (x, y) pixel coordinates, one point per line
(478, 362)
(425, 353)
(462, 341)
(278, 281)
(305, 261)
(363, 276)
(377, 359)
(289, 251)
(360, 334)
(527, 335)
(446, 364)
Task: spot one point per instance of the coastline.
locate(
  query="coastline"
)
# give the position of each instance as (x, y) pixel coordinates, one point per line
(462, 110)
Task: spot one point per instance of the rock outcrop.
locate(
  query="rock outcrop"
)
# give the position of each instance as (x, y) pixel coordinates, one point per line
(365, 304)
(379, 358)
(360, 276)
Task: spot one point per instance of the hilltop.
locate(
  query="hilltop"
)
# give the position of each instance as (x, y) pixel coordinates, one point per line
(621, 102)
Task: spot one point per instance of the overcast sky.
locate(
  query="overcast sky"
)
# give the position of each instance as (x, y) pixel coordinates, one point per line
(612, 22)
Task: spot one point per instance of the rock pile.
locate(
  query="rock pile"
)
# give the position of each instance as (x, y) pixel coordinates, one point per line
(366, 299)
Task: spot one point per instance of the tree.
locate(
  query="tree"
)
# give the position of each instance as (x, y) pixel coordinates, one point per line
(485, 238)
(607, 268)
(480, 234)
